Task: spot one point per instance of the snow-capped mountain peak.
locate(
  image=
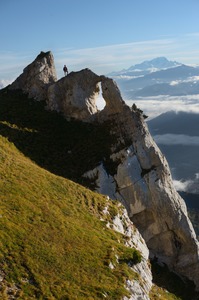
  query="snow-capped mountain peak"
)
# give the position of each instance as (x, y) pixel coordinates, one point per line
(158, 63)
(147, 66)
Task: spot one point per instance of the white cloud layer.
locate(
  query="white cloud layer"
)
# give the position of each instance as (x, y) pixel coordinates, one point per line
(176, 139)
(4, 83)
(182, 186)
(189, 186)
(193, 79)
(156, 105)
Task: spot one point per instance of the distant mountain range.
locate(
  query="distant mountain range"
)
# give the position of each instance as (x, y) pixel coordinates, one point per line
(158, 76)
(186, 123)
(147, 67)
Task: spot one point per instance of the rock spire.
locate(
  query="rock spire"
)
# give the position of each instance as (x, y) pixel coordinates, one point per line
(37, 76)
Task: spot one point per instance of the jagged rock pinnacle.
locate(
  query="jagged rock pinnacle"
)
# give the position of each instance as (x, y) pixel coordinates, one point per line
(37, 76)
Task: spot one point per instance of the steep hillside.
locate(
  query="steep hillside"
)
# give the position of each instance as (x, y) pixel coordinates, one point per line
(53, 244)
(111, 151)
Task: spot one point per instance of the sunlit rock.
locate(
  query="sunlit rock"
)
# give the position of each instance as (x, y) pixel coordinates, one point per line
(75, 95)
(37, 77)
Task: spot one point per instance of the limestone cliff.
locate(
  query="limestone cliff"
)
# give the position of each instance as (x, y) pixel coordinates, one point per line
(37, 76)
(142, 181)
(140, 177)
(74, 95)
(139, 289)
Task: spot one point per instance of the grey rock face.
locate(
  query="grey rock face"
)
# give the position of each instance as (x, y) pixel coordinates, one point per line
(142, 180)
(145, 187)
(74, 95)
(138, 290)
(37, 76)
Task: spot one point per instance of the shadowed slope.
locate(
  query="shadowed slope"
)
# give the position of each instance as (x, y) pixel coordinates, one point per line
(64, 148)
(53, 244)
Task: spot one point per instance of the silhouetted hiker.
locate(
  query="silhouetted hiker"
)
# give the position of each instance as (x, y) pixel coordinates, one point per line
(65, 70)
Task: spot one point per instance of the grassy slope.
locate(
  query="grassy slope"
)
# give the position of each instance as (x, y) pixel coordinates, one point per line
(53, 244)
(52, 241)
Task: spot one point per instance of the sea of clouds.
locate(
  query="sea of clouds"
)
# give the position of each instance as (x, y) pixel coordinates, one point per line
(4, 83)
(177, 139)
(156, 105)
(189, 186)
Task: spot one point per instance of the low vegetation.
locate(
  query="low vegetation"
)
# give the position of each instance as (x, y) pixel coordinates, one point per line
(53, 244)
(158, 293)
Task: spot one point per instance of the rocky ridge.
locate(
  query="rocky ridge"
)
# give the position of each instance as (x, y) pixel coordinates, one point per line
(141, 177)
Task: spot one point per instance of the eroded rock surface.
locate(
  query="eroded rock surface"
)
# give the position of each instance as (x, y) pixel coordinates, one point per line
(144, 184)
(37, 76)
(74, 95)
(138, 290)
(141, 179)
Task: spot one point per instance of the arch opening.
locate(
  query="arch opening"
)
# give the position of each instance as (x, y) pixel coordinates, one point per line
(100, 102)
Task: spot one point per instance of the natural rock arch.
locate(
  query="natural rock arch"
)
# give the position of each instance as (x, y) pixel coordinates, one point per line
(142, 174)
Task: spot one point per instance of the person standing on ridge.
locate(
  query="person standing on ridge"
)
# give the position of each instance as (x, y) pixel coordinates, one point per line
(65, 69)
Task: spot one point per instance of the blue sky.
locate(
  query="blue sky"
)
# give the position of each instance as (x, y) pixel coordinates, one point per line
(105, 35)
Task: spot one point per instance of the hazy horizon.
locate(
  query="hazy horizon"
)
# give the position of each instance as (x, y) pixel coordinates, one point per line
(104, 36)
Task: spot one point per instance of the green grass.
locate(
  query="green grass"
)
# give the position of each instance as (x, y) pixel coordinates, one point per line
(52, 242)
(53, 245)
(158, 293)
